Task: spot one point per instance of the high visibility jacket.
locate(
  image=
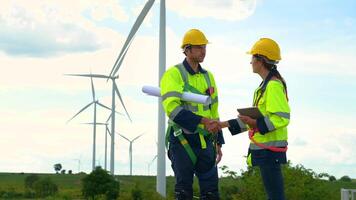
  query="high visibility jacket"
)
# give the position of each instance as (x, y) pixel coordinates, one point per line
(274, 106)
(272, 127)
(188, 114)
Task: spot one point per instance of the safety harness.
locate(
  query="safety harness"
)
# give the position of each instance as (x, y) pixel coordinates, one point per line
(252, 132)
(177, 130)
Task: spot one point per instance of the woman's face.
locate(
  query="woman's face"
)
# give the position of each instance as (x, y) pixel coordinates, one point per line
(256, 64)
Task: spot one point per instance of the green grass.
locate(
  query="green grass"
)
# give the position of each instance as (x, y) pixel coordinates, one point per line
(70, 185)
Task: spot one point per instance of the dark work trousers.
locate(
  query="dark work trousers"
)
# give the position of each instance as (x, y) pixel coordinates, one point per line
(184, 170)
(273, 181)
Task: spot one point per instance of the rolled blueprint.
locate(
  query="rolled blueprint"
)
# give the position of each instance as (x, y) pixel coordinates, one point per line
(186, 96)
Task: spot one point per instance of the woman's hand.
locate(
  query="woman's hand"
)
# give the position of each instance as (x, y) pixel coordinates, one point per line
(223, 124)
(248, 120)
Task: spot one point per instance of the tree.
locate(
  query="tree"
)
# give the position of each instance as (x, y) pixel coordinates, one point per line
(63, 171)
(45, 187)
(30, 180)
(57, 167)
(332, 178)
(100, 183)
(345, 179)
(70, 171)
(228, 172)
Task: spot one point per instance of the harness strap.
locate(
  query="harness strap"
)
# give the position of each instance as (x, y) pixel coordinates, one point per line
(252, 132)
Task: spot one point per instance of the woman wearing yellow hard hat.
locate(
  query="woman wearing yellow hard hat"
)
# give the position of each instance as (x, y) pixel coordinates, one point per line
(268, 132)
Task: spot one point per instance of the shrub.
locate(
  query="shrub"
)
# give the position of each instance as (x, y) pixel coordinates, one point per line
(45, 187)
(345, 179)
(332, 178)
(100, 182)
(30, 180)
(136, 193)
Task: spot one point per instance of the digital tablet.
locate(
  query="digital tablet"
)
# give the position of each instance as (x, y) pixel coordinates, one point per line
(252, 112)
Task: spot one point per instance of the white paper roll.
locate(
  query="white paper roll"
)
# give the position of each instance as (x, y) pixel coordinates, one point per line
(186, 96)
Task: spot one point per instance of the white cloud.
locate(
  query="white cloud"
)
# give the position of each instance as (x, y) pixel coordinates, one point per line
(230, 10)
(42, 28)
(322, 62)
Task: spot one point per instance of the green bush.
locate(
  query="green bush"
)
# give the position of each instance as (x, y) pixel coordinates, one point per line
(30, 180)
(299, 183)
(98, 183)
(45, 187)
(332, 178)
(136, 193)
(345, 179)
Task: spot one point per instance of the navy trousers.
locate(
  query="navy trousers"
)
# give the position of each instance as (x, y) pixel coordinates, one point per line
(273, 181)
(184, 170)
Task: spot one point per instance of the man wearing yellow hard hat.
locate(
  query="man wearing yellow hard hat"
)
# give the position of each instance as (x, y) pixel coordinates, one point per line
(193, 136)
(268, 133)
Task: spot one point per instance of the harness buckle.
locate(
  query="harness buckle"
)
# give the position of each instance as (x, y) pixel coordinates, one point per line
(177, 132)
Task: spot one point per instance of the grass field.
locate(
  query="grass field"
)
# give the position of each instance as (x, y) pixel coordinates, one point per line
(70, 185)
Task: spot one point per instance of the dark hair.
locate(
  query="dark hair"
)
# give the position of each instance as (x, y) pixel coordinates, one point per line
(271, 66)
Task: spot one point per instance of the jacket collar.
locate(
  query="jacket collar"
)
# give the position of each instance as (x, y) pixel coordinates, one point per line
(190, 70)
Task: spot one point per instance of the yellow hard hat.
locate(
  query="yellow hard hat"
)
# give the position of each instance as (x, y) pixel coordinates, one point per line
(194, 37)
(266, 47)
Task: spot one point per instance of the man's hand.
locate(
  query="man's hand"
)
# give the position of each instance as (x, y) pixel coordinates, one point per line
(211, 125)
(219, 154)
(223, 124)
(248, 120)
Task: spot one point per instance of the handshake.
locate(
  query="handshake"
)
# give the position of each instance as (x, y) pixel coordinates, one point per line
(213, 126)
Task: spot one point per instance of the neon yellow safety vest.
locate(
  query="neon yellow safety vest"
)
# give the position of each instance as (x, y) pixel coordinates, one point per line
(273, 104)
(175, 81)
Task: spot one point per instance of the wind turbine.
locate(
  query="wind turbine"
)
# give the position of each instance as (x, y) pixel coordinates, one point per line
(107, 131)
(161, 159)
(150, 163)
(95, 102)
(78, 163)
(115, 90)
(130, 148)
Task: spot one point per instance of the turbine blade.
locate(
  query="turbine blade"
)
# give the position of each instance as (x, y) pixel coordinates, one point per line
(154, 158)
(107, 129)
(89, 75)
(121, 59)
(102, 105)
(124, 137)
(109, 118)
(133, 31)
(92, 88)
(137, 137)
(85, 107)
(122, 102)
(97, 123)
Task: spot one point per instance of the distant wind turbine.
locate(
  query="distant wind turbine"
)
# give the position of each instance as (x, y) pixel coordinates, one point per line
(115, 90)
(130, 148)
(78, 162)
(150, 163)
(94, 102)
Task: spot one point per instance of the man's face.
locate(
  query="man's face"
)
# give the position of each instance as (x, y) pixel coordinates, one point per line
(197, 53)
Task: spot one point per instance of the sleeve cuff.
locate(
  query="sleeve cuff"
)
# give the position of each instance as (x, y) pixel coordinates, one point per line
(261, 125)
(187, 120)
(236, 126)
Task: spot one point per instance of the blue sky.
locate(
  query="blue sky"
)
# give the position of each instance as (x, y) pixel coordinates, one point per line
(41, 41)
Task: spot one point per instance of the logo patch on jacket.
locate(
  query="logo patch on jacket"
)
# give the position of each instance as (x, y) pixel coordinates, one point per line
(210, 91)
